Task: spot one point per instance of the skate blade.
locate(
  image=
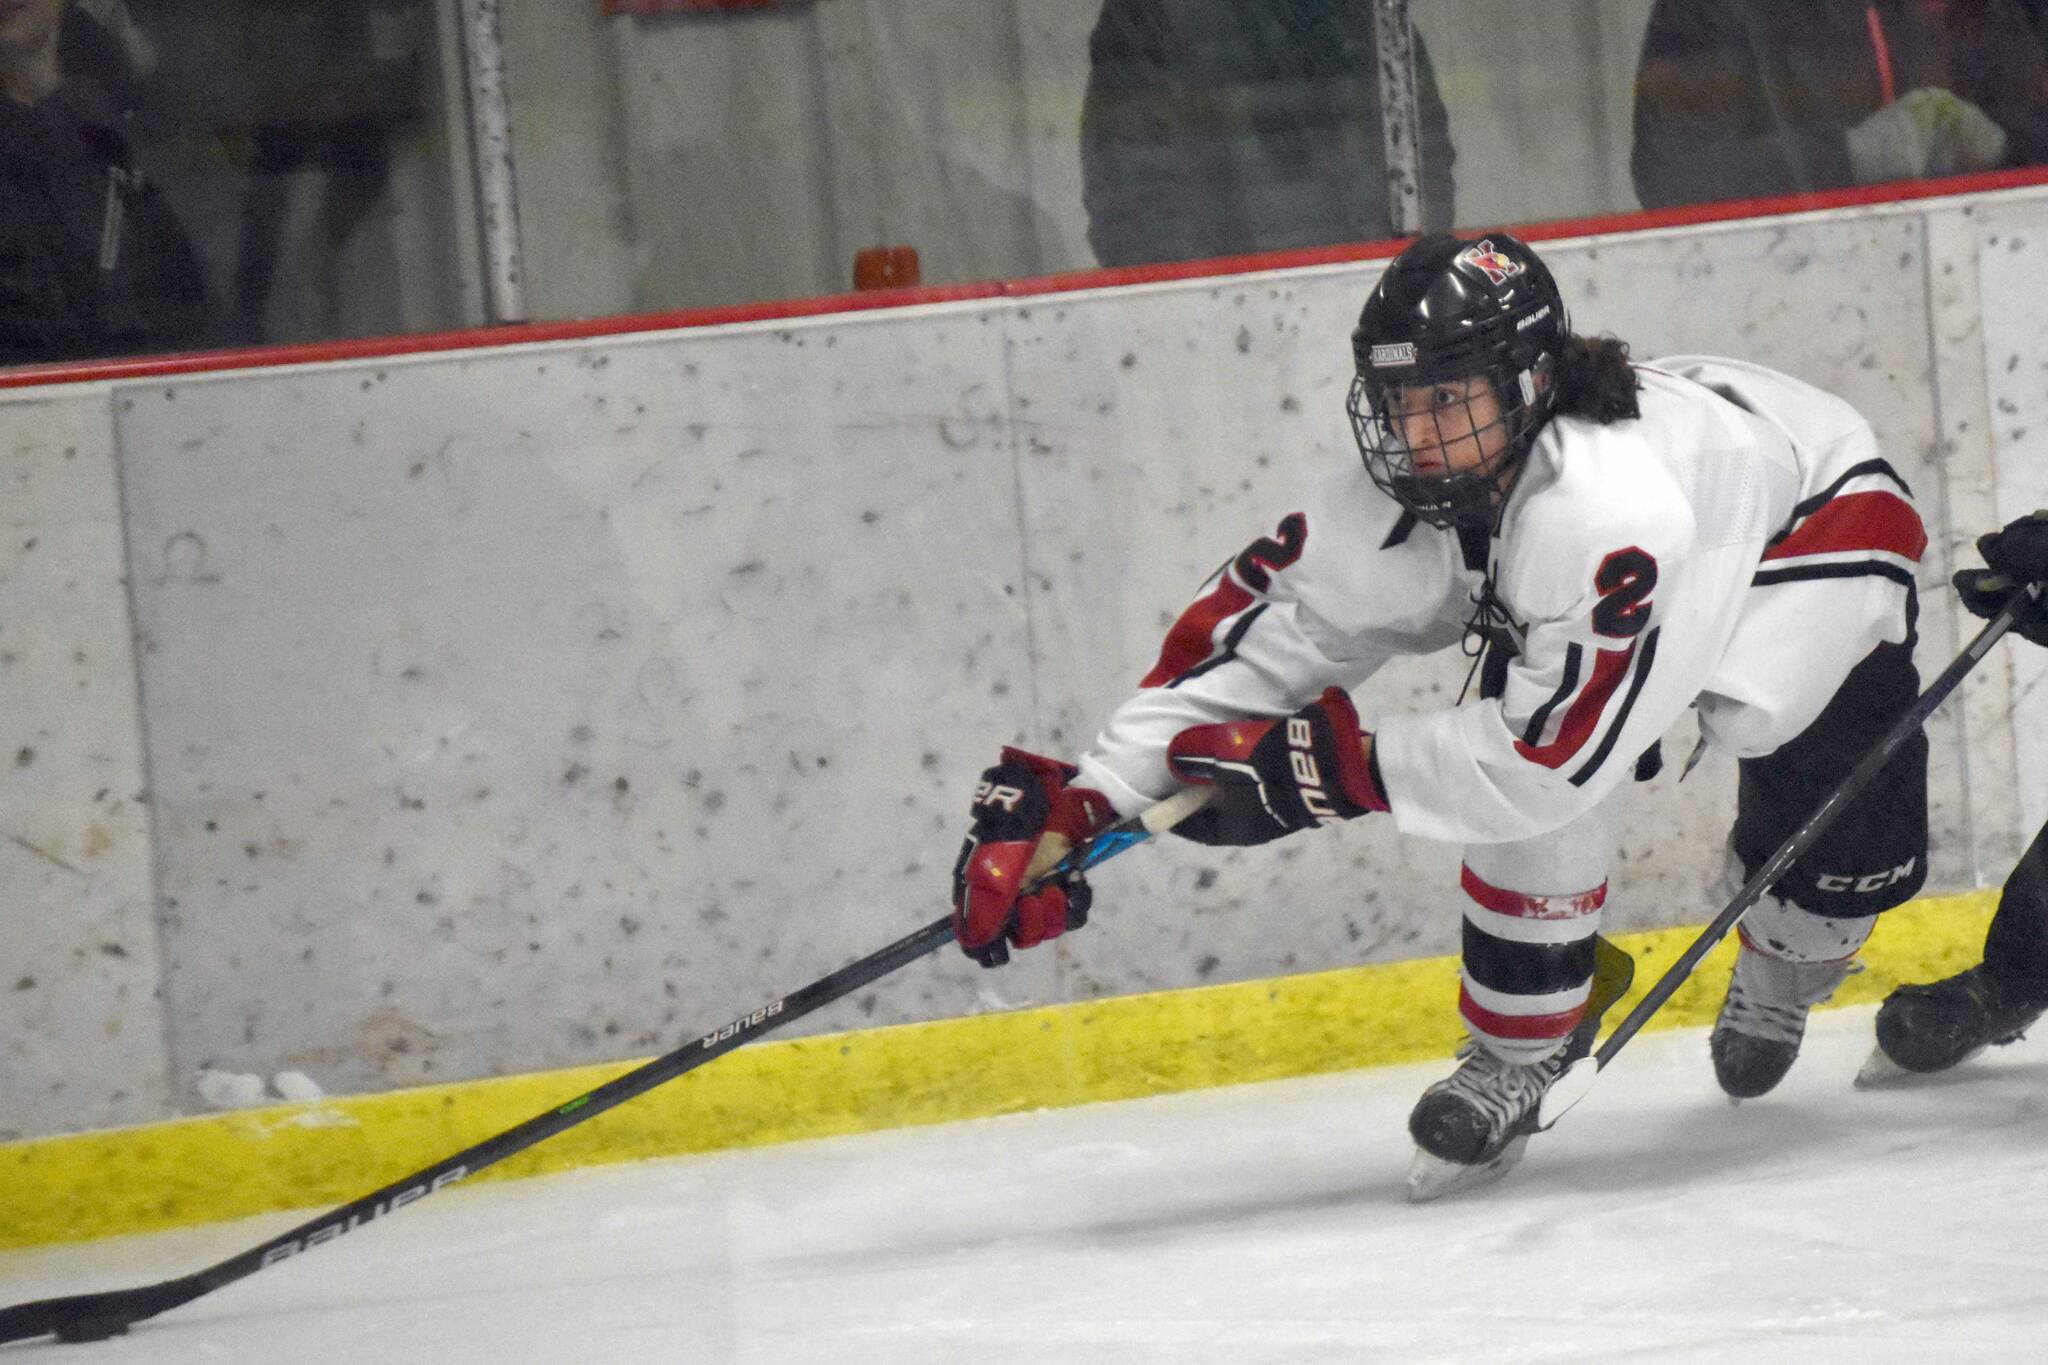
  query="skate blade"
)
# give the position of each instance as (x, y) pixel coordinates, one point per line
(1431, 1177)
(1880, 1072)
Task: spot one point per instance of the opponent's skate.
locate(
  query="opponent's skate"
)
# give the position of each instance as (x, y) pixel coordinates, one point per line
(1470, 1127)
(1763, 1020)
(1922, 1029)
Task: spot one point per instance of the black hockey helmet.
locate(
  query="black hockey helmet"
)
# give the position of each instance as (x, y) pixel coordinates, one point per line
(1450, 309)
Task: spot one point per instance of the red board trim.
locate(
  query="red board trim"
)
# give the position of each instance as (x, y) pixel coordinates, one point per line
(371, 348)
(683, 6)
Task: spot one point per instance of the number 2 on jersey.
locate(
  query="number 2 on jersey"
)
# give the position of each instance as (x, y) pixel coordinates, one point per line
(1624, 579)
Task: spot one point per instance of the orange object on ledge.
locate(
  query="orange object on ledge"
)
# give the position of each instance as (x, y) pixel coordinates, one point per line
(886, 267)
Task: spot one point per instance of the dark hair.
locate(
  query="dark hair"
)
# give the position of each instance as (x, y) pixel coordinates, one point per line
(1594, 379)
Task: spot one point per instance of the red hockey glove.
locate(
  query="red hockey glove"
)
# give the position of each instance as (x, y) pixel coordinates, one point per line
(1026, 817)
(2017, 555)
(1273, 777)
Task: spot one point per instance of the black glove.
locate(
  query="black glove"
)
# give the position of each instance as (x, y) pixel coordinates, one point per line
(1273, 777)
(2016, 554)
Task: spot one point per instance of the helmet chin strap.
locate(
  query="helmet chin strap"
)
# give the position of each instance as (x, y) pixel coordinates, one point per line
(1466, 501)
(1478, 501)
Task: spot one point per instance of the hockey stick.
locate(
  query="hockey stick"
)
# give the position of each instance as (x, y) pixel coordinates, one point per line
(95, 1317)
(1577, 1080)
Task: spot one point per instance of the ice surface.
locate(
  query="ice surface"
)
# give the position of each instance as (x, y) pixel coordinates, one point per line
(1255, 1224)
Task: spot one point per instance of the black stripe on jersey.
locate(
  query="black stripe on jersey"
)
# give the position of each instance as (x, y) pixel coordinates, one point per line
(1533, 736)
(1813, 504)
(1403, 525)
(1856, 569)
(1230, 644)
(1859, 569)
(1512, 968)
(1635, 688)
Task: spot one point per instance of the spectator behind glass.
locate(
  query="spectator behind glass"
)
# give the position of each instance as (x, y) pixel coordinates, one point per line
(92, 261)
(1744, 98)
(1223, 127)
(326, 88)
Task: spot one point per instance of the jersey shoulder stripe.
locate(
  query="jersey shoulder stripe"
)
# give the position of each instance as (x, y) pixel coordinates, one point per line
(1224, 654)
(1875, 468)
(1869, 530)
(1192, 640)
(1874, 520)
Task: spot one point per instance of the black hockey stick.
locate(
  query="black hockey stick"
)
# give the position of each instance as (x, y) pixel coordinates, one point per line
(95, 1317)
(1577, 1079)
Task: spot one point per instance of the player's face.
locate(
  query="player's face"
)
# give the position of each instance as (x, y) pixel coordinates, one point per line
(1450, 427)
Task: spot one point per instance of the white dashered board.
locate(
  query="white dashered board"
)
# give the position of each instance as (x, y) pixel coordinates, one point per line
(2011, 260)
(81, 1027)
(546, 705)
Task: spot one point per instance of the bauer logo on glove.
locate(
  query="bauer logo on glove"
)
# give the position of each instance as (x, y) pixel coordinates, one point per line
(1026, 816)
(1274, 777)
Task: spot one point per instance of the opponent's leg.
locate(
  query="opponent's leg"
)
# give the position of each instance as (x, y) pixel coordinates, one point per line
(1932, 1027)
(1789, 961)
(1800, 940)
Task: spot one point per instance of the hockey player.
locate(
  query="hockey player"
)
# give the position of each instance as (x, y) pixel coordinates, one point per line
(1623, 542)
(1931, 1028)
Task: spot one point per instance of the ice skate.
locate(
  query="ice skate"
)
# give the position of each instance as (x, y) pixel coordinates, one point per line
(1471, 1127)
(1763, 1020)
(1924, 1029)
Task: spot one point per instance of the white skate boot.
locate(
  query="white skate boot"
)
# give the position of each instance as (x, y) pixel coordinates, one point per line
(1763, 1020)
(1470, 1127)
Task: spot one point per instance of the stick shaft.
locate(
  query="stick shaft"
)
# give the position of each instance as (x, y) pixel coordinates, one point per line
(128, 1306)
(114, 1310)
(1816, 824)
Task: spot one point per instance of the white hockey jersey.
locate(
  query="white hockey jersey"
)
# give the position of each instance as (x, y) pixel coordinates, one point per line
(1739, 546)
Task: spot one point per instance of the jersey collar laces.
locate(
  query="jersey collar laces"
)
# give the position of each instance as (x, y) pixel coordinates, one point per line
(1489, 642)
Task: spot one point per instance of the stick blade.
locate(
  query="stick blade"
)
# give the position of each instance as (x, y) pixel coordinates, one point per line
(58, 1318)
(1614, 971)
(88, 1317)
(1573, 1085)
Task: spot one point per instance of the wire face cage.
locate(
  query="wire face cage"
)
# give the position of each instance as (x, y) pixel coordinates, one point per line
(1446, 448)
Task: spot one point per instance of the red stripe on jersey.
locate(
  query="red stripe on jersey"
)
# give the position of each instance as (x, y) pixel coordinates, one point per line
(1527, 1027)
(1193, 637)
(1856, 521)
(1578, 723)
(1505, 902)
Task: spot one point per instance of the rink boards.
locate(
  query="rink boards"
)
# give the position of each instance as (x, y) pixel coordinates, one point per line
(476, 714)
(328, 1153)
